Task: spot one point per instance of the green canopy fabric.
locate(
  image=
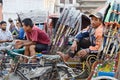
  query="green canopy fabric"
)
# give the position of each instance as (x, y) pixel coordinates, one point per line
(19, 51)
(107, 18)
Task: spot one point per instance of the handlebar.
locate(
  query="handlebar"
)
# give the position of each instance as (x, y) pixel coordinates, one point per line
(42, 56)
(7, 46)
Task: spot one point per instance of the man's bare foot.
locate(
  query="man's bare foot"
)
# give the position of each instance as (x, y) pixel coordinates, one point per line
(34, 60)
(65, 57)
(25, 60)
(21, 59)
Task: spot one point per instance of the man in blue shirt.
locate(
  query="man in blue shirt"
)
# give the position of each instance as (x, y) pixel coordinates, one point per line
(21, 34)
(88, 40)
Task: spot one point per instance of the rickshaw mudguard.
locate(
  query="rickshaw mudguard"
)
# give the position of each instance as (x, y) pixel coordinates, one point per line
(19, 51)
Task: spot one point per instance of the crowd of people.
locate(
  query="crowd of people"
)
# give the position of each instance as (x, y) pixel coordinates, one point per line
(14, 31)
(25, 34)
(36, 40)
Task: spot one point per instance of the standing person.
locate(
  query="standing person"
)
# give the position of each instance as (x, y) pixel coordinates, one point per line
(5, 35)
(89, 40)
(37, 40)
(12, 28)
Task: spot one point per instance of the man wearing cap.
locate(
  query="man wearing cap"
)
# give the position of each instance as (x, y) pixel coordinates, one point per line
(88, 40)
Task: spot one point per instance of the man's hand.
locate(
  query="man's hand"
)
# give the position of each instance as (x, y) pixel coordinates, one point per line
(19, 42)
(82, 53)
(74, 46)
(6, 41)
(2, 41)
(9, 40)
(18, 46)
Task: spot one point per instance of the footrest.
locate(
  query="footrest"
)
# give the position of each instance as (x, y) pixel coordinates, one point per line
(49, 57)
(110, 74)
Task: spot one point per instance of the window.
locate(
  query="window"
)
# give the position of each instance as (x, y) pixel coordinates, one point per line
(61, 9)
(71, 1)
(62, 1)
(0, 1)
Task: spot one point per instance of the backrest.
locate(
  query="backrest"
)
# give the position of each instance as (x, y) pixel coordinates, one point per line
(110, 42)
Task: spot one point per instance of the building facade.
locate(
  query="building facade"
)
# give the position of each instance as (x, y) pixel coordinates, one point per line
(1, 16)
(11, 7)
(60, 4)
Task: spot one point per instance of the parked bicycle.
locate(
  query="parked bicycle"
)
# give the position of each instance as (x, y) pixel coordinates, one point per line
(48, 67)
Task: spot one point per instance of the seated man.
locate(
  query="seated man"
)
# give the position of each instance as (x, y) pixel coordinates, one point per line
(89, 40)
(5, 35)
(37, 40)
(12, 28)
(21, 34)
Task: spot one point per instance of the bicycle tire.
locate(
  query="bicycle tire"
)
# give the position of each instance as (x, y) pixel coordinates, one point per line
(105, 78)
(62, 74)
